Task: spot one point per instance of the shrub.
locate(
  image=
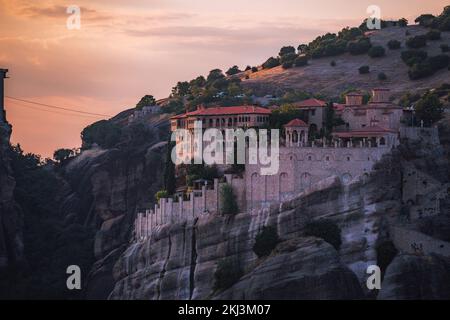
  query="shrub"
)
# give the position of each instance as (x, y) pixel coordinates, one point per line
(147, 100)
(411, 57)
(429, 109)
(287, 65)
(286, 50)
(420, 70)
(327, 230)
(376, 52)
(254, 69)
(402, 22)
(439, 62)
(232, 71)
(226, 274)
(417, 42)
(394, 44)
(360, 46)
(364, 70)
(265, 241)
(104, 133)
(288, 57)
(433, 35)
(247, 68)
(386, 252)
(228, 200)
(161, 194)
(445, 47)
(271, 63)
(301, 61)
(382, 76)
(333, 63)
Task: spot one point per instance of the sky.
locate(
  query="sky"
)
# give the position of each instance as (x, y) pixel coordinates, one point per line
(128, 48)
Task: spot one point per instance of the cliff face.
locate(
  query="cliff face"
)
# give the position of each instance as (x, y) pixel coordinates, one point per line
(11, 244)
(179, 261)
(108, 186)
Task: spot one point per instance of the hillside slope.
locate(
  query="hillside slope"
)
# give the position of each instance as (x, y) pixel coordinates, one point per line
(320, 77)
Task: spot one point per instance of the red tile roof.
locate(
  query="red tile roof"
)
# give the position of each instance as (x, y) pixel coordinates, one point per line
(219, 111)
(296, 123)
(364, 132)
(310, 103)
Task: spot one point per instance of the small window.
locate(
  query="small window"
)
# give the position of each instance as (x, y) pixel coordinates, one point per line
(348, 158)
(309, 158)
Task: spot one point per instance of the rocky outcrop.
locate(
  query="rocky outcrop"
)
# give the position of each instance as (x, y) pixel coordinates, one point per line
(414, 277)
(308, 268)
(11, 243)
(108, 187)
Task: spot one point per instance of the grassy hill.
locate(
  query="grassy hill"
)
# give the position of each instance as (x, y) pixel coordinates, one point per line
(320, 77)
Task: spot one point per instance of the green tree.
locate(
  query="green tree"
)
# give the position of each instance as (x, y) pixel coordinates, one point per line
(402, 22)
(228, 200)
(301, 61)
(233, 70)
(147, 100)
(181, 89)
(214, 75)
(286, 50)
(266, 241)
(226, 274)
(61, 155)
(271, 63)
(169, 170)
(104, 133)
(429, 109)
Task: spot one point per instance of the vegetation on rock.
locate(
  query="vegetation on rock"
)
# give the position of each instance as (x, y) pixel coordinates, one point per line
(266, 241)
(327, 230)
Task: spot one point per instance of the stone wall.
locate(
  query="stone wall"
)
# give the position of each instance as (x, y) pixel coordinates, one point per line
(426, 135)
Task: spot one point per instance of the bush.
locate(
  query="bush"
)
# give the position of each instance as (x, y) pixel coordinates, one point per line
(104, 133)
(265, 241)
(364, 70)
(288, 57)
(394, 44)
(228, 200)
(333, 63)
(433, 35)
(445, 47)
(161, 194)
(147, 100)
(417, 42)
(301, 61)
(411, 57)
(233, 70)
(271, 63)
(287, 65)
(360, 46)
(402, 22)
(254, 69)
(420, 70)
(429, 109)
(439, 62)
(382, 76)
(226, 274)
(376, 52)
(327, 230)
(286, 50)
(386, 252)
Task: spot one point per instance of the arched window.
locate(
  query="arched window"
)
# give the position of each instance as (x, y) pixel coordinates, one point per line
(295, 136)
(382, 141)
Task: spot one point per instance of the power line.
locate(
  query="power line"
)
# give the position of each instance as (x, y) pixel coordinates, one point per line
(57, 107)
(18, 104)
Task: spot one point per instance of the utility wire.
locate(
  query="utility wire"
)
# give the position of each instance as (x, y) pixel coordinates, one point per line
(57, 107)
(18, 104)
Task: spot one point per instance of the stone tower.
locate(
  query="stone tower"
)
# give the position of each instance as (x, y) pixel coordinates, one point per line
(296, 133)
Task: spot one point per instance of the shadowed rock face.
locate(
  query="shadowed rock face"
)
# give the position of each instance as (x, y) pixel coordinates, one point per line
(411, 277)
(11, 243)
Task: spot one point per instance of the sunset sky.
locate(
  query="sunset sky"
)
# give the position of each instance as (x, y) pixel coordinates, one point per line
(128, 48)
